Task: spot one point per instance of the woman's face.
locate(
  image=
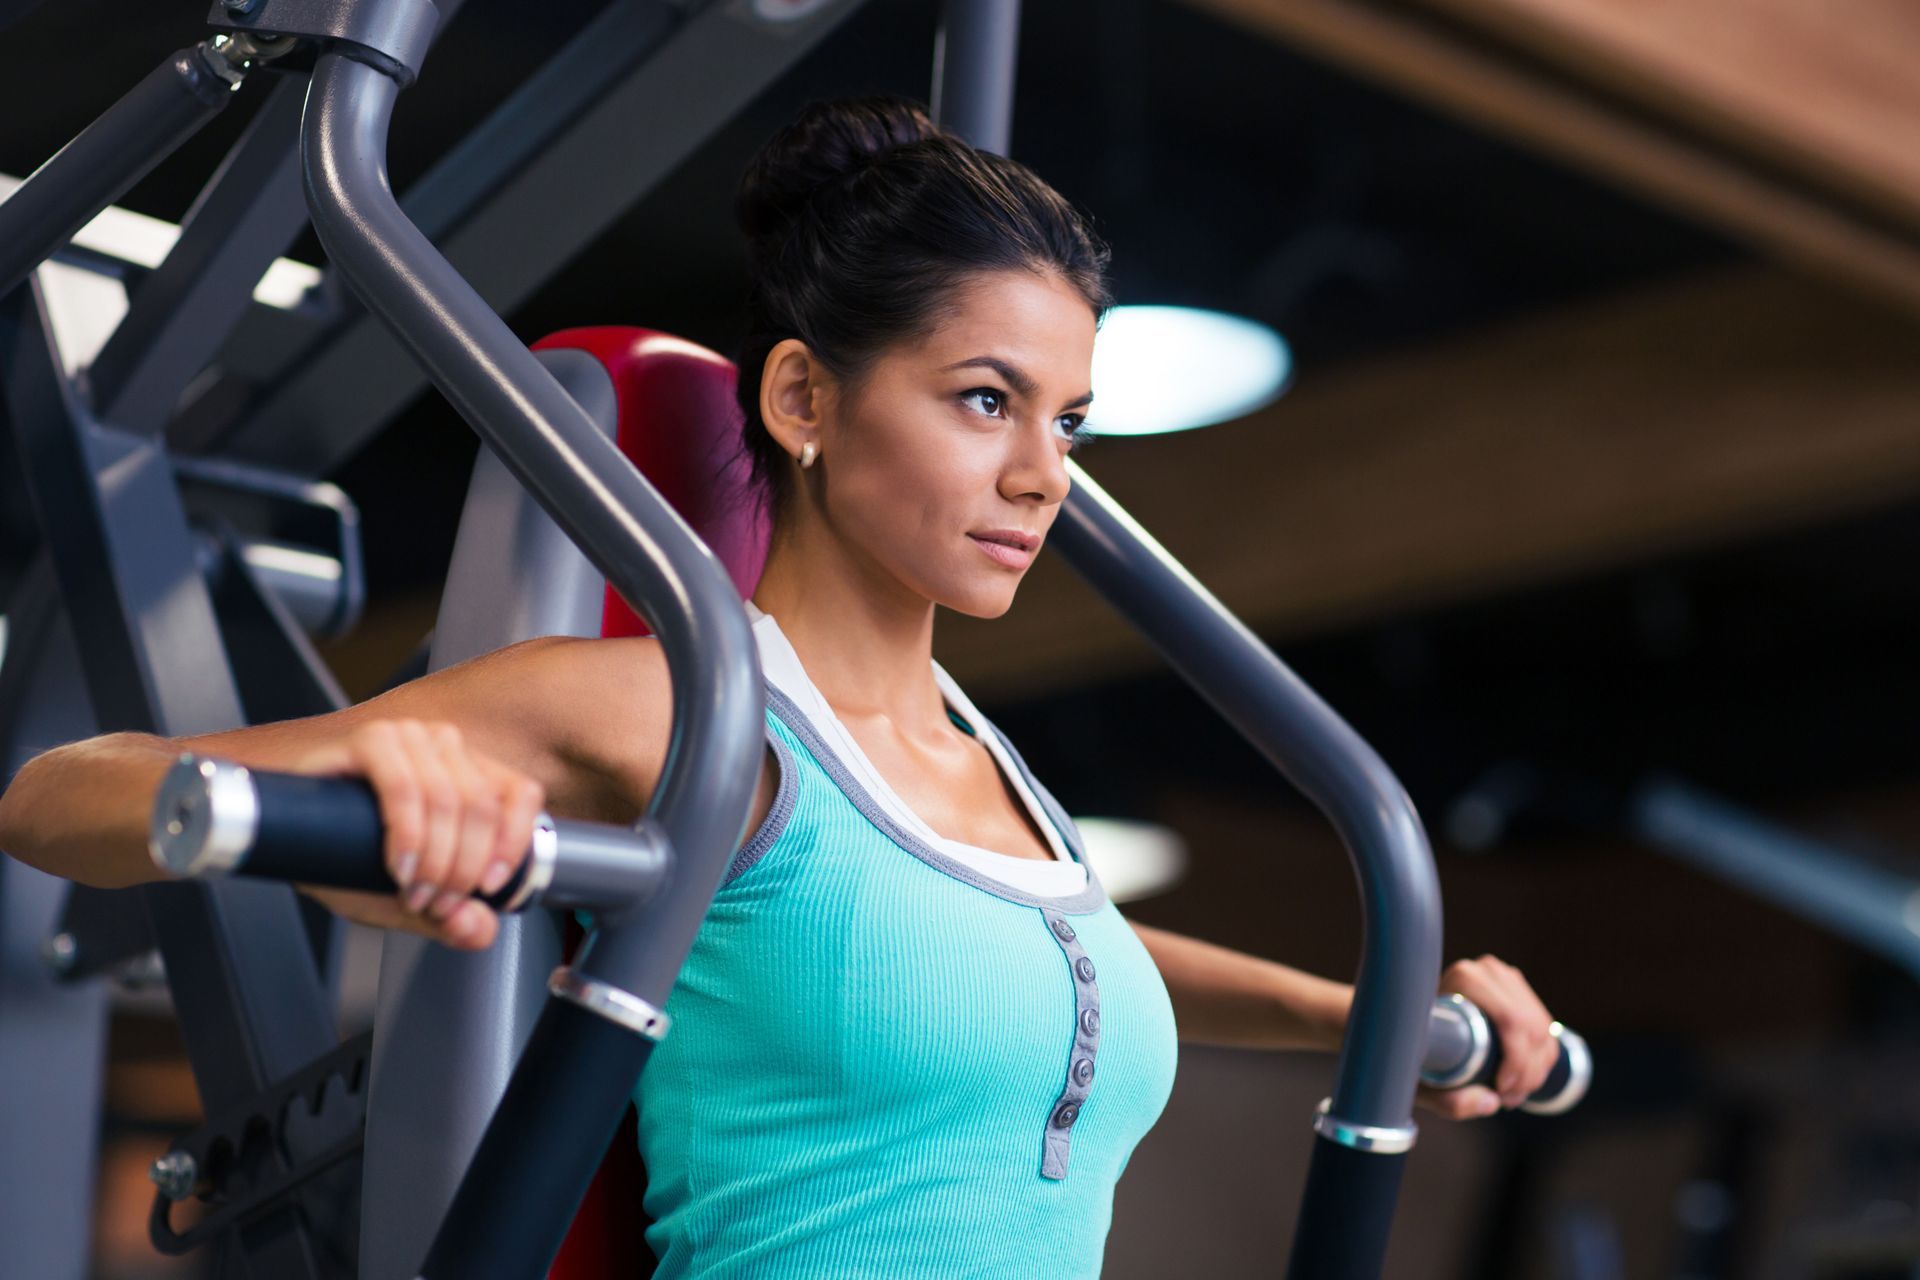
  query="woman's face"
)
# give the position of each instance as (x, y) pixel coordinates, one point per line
(955, 445)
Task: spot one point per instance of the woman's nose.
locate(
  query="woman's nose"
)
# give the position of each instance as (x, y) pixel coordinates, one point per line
(1039, 470)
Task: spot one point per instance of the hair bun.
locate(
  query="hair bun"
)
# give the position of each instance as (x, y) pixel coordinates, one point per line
(830, 139)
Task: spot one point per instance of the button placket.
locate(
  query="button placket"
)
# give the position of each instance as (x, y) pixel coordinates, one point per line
(1086, 1037)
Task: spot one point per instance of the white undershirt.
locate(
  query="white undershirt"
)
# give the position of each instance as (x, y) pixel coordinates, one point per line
(1059, 877)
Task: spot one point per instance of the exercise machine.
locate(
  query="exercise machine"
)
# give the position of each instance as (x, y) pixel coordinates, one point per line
(117, 558)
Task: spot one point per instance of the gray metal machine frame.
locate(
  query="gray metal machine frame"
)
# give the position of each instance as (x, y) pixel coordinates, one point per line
(509, 1152)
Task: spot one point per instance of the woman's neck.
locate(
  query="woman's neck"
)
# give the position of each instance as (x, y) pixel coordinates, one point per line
(866, 641)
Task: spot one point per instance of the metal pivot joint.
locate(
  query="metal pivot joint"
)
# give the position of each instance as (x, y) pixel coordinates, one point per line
(620, 1007)
(230, 57)
(1374, 1139)
(392, 37)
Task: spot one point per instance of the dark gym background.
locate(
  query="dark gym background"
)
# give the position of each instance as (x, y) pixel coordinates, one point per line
(1589, 469)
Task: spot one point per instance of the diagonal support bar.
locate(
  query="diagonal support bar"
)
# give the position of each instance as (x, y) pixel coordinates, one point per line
(248, 214)
(145, 127)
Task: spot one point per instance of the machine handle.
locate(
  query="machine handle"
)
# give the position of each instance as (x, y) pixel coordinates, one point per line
(1463, 1049)
(213, 817)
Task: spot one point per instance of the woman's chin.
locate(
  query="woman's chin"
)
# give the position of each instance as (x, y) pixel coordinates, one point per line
(982, 602)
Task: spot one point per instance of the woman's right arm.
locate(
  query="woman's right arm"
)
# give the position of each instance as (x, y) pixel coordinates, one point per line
(462, 761)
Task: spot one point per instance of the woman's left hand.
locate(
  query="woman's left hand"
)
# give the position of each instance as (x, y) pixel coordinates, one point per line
(1527, 1048)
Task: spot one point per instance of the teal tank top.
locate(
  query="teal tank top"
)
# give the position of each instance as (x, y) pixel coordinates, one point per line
(885, 1065)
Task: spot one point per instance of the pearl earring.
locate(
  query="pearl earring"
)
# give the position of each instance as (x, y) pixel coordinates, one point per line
(808, 451)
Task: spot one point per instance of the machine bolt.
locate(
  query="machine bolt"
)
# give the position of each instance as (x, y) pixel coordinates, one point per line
(59, 952)
(138, 973)
(175, 1174)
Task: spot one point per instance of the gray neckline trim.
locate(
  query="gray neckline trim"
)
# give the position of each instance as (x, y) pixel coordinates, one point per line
(1088, 900)
(776, 820)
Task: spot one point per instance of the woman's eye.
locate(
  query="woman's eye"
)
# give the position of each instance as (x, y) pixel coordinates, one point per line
(994, 402)
(987, 393)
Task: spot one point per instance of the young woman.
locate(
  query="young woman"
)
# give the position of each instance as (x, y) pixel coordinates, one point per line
(914, 1037)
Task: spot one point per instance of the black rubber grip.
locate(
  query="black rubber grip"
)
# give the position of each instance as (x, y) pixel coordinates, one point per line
(1346, 1213)
(327, 831)
(538, 1156)
(1551, 1088)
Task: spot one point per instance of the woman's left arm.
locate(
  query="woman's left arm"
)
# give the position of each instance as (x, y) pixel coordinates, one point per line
(1229, 998)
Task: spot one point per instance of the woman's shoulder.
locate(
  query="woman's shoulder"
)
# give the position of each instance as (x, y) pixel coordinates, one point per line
(616, 701)
(619, 699)
(626, 675)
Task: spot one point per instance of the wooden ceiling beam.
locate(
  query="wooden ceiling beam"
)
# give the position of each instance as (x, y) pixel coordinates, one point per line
(1822, 87)
(1853, 213)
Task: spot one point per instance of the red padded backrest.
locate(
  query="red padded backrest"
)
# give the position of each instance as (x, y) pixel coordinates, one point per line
(680, 426)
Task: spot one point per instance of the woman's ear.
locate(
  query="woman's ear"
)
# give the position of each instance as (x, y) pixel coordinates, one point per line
(790, 385)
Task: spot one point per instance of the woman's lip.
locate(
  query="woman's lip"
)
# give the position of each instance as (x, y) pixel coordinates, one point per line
(1012, 557)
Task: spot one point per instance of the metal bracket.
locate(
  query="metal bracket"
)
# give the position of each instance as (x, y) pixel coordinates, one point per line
(272, 503)
(392, 37)
(249, 1160)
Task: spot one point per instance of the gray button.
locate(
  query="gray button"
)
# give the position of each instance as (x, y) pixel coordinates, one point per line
(1064, 1117)
(1083, 1071)
(1063, 930)
(1090, 1021)
(1084, 967)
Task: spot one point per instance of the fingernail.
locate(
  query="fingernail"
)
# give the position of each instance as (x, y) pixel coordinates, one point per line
(1488, 1105)
(497, 875)
(419, 896)
(403, 873)
(446, 904)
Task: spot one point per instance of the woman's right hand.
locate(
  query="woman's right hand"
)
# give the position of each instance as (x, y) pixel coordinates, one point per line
(457, 822)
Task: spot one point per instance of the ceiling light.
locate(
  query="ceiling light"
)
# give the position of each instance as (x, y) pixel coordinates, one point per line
(1158, 369)
(144, 242)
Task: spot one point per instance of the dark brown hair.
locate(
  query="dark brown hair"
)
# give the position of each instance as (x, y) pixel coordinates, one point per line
(862, 217)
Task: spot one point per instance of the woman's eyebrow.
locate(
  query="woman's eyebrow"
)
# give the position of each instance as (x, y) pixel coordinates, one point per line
(1021, 383)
